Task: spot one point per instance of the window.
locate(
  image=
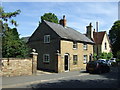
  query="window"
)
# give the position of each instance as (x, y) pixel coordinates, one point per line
(46, 58)
(74, 45)
(85, 46)
(105, 46)
(75, 59)
(85, 59)
(47, 39)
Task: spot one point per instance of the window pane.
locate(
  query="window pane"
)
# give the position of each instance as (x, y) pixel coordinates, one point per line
(84, 46)
(46, 58)
(75, 45)
(74, 59)
(47, 39)
(85, 58)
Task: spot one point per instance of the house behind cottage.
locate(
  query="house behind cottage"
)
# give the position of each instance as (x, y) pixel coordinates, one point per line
(101, 39)
(60, 48)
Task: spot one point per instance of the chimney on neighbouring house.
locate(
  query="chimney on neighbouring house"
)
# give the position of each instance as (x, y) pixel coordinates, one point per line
(94, 30)
(89, 31)
(63, 21)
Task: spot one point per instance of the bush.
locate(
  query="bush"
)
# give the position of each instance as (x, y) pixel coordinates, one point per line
(95, 56)
(105, 55)
(117, 60)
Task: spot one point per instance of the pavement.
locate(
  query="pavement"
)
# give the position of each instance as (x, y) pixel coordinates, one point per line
(19, 81)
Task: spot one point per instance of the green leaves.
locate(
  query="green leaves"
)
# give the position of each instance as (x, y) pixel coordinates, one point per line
(13, 46)
(51, 17)
(6, 16)
(114, 35)
(105, 55)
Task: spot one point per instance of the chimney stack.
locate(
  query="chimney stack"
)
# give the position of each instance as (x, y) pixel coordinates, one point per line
(89, 32)
(63, 21)
(94, 30)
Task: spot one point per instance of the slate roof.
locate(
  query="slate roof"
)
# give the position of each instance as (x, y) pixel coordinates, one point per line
(68, 33)
(98, 37)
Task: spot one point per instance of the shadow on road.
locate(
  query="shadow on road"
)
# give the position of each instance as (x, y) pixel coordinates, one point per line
(76, 84)
(110, 81)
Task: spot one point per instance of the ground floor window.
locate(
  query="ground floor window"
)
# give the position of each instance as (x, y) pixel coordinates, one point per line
(75, 59)
(85, 59)
(46, 58)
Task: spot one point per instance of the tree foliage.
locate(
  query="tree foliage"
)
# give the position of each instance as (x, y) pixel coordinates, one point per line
(114, 35)
(12, 45)
(118, 55)
(7, 16)
(51, 17)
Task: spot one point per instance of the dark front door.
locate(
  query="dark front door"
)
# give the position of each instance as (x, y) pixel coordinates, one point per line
(66, 62)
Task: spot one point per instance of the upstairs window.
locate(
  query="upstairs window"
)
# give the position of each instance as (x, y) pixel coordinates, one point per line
(47, 39)
(85, 46)
(74, 45)
(105, 46)
(46, 58)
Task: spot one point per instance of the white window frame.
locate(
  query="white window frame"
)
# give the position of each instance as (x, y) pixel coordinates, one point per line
(85, 59)
(46, 38)
(46, 58)
(75, 45)
(85, 46)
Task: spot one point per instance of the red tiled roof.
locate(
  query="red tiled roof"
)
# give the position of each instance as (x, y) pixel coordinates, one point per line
(98, 37)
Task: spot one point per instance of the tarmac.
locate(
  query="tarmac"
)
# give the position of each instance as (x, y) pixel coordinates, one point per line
(19, 81)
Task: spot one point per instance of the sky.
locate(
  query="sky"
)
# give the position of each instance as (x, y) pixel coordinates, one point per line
(78, 14)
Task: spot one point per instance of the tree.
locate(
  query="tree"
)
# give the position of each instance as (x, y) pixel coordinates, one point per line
(114, 35)
(7, 16)
(50, 17)
(118, 54)
(12, 45)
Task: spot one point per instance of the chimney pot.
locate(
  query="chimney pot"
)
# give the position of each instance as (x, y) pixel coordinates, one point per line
(63, 21)
(63, 16)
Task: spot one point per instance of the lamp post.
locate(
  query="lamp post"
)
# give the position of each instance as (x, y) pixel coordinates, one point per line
(97, 38)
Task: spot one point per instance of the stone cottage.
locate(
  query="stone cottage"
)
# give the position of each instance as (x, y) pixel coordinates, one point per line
(60, 48)
(101, 39)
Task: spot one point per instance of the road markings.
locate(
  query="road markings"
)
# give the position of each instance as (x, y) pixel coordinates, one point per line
(40, 81)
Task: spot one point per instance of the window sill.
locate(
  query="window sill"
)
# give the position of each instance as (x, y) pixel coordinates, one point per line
(85, 49)
(46, 43)
(74, 48)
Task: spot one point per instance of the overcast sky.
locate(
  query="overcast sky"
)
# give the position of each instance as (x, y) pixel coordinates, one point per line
(78, 14)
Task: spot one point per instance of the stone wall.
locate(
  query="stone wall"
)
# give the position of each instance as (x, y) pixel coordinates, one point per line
(18, 66)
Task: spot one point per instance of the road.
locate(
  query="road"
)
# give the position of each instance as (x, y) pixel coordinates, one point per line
(82, 80)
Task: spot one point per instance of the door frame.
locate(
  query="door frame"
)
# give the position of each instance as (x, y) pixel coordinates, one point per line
(68, 62)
